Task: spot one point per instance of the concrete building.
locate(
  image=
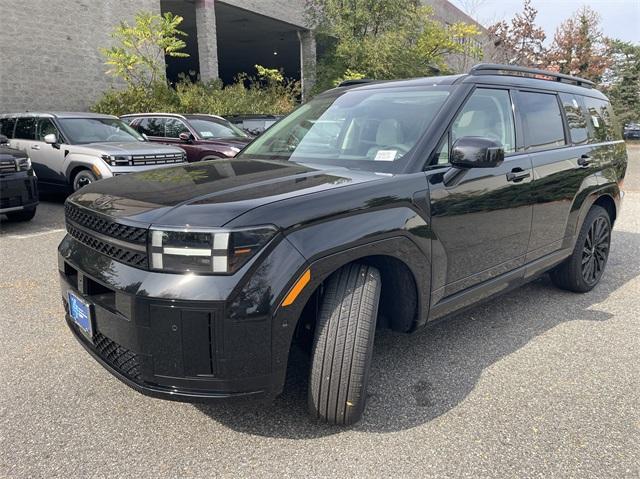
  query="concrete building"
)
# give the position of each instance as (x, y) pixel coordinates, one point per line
(50, 55)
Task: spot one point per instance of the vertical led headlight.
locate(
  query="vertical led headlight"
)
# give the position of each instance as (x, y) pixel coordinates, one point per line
(212, 251)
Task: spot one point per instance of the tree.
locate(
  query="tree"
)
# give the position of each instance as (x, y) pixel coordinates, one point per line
(579, 47)
(139, 51)
(522, 41)
(622, 80)
(382, 39)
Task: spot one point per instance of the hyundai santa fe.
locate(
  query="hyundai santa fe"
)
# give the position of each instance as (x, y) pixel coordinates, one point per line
(70, 150)
(376, 204)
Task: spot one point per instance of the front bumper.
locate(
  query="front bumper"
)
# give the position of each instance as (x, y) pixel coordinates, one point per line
(18, 191)
(175, 337)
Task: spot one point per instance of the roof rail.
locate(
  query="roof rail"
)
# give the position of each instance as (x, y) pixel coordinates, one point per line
(358, 81)
(515, 70)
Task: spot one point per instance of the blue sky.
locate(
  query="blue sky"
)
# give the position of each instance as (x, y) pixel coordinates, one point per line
(620, 18)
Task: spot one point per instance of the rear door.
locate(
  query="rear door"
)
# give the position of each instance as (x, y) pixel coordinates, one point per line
(555, 136)
(24, 136)
(482, 220)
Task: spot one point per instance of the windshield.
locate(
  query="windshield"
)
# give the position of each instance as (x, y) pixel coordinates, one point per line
(369, 129)
(98, 130)
(216, 129)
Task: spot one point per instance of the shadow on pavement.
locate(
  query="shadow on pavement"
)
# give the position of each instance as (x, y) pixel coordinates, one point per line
(416, 378)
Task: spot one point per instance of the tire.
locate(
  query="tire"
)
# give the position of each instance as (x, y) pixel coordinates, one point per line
(582, 271)
(83, 178)
(24, 215)
(343, 345)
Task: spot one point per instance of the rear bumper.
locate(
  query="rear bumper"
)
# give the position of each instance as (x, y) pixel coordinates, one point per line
(18, 191)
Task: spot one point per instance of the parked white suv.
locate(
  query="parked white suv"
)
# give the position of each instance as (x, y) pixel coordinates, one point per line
(75, 149)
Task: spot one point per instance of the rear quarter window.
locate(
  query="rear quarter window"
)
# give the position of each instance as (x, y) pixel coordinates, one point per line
(6, 127)
(542, 120)
(603, 126)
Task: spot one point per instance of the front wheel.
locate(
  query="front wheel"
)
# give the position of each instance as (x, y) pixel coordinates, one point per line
(343, 345)
(582, 271)
(83, 178)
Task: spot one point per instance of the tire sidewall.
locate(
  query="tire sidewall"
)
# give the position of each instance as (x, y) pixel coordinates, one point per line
(83, 174)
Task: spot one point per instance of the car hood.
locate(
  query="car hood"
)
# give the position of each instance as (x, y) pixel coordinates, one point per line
(130, 148)
(7, 153)
(209, 193)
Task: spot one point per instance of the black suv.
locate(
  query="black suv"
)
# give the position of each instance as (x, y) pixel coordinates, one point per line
(18, 184)
(383, 203)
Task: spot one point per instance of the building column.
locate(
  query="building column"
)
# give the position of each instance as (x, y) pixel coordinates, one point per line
(307, 62)
(207, 39)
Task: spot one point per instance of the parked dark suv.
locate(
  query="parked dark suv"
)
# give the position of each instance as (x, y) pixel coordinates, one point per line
(203, 137)
(18, 184)
(390, 204)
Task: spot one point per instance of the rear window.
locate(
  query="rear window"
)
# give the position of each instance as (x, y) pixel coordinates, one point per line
(603, 124)
(542, 120)
(25, 129)
(576, 118)
(6, 126)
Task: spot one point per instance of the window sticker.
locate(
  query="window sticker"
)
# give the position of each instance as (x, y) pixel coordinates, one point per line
(594, 119)
(386, 155)
(206, 134)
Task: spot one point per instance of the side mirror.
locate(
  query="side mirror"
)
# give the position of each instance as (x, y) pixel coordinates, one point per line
(51, 139)
(476, 152)
(186, 137)
(3, 140)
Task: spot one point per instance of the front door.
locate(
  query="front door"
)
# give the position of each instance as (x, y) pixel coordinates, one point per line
(481, 217)
(48, 158)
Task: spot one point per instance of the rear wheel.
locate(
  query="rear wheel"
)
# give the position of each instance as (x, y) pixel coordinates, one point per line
(24, 215)
(343, 345)
(582, 271)
(83, 178)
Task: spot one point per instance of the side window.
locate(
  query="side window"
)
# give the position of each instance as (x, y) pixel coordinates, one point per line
(487, 114)
(6, 127)
(174, 127)
(152, 126)
(542, 120)
(576, 118)
(25, 129)
(603, 125)
(46, 127)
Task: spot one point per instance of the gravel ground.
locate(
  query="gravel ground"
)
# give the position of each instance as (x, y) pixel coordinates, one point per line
(537, 383)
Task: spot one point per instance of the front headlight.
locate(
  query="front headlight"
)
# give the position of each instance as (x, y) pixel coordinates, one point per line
(23, 164)
(117, 160)
(208, 251)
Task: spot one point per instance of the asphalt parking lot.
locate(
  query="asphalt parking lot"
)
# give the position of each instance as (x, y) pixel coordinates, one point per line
(537, 383)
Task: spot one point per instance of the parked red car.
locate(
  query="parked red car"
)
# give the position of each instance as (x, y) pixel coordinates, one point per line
(203, 137)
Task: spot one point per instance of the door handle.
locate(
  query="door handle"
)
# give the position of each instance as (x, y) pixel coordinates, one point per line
(584, 160)
(517, 174)
(35, 147)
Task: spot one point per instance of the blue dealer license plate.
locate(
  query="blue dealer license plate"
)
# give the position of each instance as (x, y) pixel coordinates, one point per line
(80, 312)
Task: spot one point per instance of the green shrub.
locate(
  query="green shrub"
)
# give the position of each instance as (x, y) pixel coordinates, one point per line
(267, 94)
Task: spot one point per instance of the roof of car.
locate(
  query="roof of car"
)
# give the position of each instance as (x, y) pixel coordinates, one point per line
(57, 114)
(495, 74)
(184, 116)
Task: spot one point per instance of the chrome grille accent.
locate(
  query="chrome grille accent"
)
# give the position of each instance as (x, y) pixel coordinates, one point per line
(159, 159)
(8, 166)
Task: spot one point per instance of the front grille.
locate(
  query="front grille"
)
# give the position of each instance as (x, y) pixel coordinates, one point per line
(104, 226)
(8, 166)
(119, 253)
(10, 202)
(160, 159)
(117, 356)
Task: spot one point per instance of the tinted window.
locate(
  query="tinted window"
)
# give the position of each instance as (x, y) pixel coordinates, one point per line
(46, 127)
(487, 114)
(216, 129)
(174, 127)
(542, 120)
(152, 126)
(6, 127)
(603, 125)
(26, 129)
(576, 118)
